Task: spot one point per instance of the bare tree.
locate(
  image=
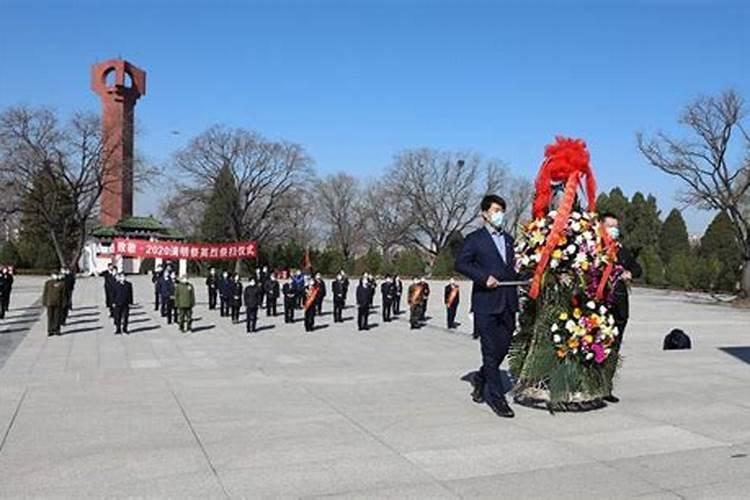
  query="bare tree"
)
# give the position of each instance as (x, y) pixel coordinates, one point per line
(265, 172)
(712, 181)
(340, 210)
(53, 174)
(386, 217)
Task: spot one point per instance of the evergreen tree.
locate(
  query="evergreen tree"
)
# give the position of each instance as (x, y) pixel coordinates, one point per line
(369, 262)
(617, 203)
(409, 262)
(652, 265)
(719, 240)
(602, 203)
(680, 270)
(222, 210)
(641, 222)
(706, 273)
(673, 237)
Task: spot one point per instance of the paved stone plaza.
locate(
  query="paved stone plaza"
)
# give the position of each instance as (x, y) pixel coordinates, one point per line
(381, 414)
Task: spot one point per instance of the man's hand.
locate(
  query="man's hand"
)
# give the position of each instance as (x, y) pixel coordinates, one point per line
(492, 282)
(627, 276)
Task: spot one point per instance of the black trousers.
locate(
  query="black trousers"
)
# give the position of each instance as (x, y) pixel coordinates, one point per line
(387, 304)
(319, 305)
(171, 311)
(289, 310)
(164, 306)
(252, 319)
(270, 306)
(212, 293)
(338, 309)
(451, 312)
(495, 333)
(2, 306)
(156, 299)
(363, 313)
(235, 312)
(310, 319)
(224, 306)
(415, 315)
(397, 305)
(423, 313)
(122, 315)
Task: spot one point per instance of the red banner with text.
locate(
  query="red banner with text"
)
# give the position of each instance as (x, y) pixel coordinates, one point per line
(179, 250)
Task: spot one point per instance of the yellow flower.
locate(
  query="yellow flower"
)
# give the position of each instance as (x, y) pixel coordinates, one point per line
(577, 313)
(560, 353)
(584, 265)
(557, 254)
(573, 343)
(588, 339)
(563, 316)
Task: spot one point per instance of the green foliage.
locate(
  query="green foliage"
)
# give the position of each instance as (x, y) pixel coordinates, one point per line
(443, 265)
(652, 265)
(673, 238)
(641, 222)
(707, 272)
(409, 262)
(719, 240)
(617, 203)
(222, 209)
(680, 270)
(370, 262)
(9, 255)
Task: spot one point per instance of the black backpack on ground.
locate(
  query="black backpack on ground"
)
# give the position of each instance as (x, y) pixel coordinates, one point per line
(677, 339)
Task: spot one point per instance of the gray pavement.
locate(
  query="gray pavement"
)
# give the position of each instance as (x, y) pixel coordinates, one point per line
(339, 413)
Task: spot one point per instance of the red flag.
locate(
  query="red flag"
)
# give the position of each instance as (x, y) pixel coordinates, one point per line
(307, 264)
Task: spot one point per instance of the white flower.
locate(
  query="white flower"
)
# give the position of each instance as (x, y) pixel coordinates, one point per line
(591, 304)
(576, 226)
(554, 263)
(570, 325)
(556, 339)
(589, 355)
(579, 239)
(552, 214)
(602, 309)
(554, 327)
(571, 249)
(575, 215)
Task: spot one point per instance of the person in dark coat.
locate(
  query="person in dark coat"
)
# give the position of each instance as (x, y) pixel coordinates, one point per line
(236, 298)
(310, 304)
(53, 298)
(415, 300)
(4, 290)
(122, 299)
(225, 294)
(299, 289)
(372, 285)
(338, 288)
(631, 270)
(166, 291)
(487, 258)
(451, 298)
(271, 291)
(387, 293)
(109, 281)
(212, 286)
(70, 282)
(156, 277)
(398, 291)
(322, 292)
(290, 298)
(425, 298)
(253, 296)
(363, 303)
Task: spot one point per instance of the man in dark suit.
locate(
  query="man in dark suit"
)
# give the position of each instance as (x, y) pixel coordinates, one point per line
(487, 258)
(212, 283)
(109, 282)
(122, 299)
(253, 295)
(363, 303)
(338, 289)
(290, 297)
(271, 291)
(632, 269)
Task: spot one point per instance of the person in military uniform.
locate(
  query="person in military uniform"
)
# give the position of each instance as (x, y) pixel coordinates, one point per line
(184, 301)
(451, 302)
(271, 291)
(387, 292)
(166, 290)
(338, 288)
(122, 299)
(109, 281)
(156, 275)
(363, 303)
(398, 290)
(212, 284)
(53, 298)
(236, 298)
(253, 295)
(425, 297)
(415, 300)
(310, 304)
(290, 296)
(225, 294)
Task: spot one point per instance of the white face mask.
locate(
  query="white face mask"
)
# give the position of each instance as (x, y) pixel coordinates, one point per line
(497, 219)
(614, 232)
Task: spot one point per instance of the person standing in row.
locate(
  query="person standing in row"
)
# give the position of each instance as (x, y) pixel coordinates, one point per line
(299, 289)
(387, 292)
(253, 296)
(212, 284)
(166, 290)
(70, 282)
(310, 304)
(236, 298)
(7, 273)
(425, 298)
(271, 291)
(363, 303)
(338, 288)
(225, 294)
(156, 277)
(109, 281)
(122, 299)
(322, 292)
(398, 290)
(53, 298)
(415, 300)
(184, 301)
(372, 285)
(451, 302)
(290, 297)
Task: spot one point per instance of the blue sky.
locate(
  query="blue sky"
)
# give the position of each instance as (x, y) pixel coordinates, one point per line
(356, 81)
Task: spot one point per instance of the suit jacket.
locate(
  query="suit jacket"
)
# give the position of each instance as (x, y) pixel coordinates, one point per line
(479, 259)
(122, 294)
(621, 295)
(252, 296)
(363, 295)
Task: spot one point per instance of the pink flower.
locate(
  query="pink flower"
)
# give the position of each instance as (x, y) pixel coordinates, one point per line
(599, 354)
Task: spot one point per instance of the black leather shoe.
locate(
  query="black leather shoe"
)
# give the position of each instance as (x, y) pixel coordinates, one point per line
(611, 398)
(501, 408)
(477, 395)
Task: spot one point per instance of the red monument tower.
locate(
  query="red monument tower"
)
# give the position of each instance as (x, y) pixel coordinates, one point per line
(119, 84)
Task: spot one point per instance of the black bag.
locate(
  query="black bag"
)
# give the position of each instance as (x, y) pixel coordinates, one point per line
(677, 339)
